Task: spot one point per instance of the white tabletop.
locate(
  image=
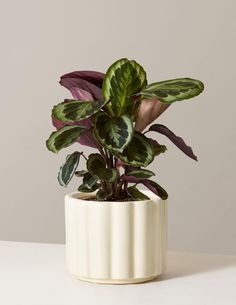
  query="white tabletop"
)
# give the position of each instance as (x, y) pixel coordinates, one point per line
(35, 274)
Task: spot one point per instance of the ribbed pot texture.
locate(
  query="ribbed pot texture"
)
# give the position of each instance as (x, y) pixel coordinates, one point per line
(115, 242)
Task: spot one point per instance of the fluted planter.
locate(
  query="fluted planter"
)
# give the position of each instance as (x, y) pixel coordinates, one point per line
(115, 242)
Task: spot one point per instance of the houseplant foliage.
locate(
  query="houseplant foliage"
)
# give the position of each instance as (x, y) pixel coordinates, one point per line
(106, 114)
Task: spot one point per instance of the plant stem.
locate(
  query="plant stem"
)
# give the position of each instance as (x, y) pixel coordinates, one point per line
(82, 154)
(103, 154)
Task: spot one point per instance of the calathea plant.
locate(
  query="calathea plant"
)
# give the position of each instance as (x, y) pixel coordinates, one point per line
(109, 113)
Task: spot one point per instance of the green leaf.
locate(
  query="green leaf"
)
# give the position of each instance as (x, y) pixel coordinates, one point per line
(140, 173)
(67, 170)
(173, 90)
(75, 110)
(97, 167)
(157, 148)
(80, 173)
(64, 137)
(155, 188)
(101, 195)
(89, 183)
(135, 194)
(123, 79)
(113, 133)
(139, 152)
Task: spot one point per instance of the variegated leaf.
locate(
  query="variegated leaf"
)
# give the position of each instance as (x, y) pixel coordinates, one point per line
(102, 195)
(68, 169)
(89, 183)
(123, 79)
(136, 194)
(87, 138)
(113, 133)
(139, 152)
(173, 90)
(140, 173)
(75, 110)
(97, 167)
(64, 137)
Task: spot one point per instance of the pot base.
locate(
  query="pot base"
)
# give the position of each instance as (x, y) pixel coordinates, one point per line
(118, 281)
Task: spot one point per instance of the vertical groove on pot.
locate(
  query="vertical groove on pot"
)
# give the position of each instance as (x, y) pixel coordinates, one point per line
(81, 237)
(140, 234)
(99, 240)
(164, 224)
(131, 242)
(156, 239)
(121, 240)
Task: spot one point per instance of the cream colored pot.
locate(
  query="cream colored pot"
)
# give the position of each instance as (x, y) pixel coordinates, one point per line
(115, 242)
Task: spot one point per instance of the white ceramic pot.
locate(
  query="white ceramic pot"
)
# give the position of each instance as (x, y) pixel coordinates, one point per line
(115, 242)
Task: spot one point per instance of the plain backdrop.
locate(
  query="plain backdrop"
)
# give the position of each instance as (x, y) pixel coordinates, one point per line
(41, 40)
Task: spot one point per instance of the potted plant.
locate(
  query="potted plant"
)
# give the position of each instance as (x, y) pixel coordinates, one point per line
(115, 232)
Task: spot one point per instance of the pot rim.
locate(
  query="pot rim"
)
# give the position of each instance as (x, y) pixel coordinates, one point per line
(79, 197)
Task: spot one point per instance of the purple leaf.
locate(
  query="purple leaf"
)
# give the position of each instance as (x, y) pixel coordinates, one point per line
(155, 188)
(84, 85)
(148, 112)
(179, 142)
(151, 185)
(131, 179)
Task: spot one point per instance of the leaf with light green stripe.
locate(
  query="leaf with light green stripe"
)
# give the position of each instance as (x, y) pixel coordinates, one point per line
(140, 173)
(68, 169)
(139, 152)
(64, 137)
(173, 90)
(102, 195)
(123, 79)
(75, 110)
(89, 183)
(135, 194)
(97, 167)
(113, 133)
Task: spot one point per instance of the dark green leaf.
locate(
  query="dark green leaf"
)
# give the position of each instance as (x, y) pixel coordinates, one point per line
(101, 195)
(157, 148)
(64, 137)
(139, 152)
(67, 170)
(140, 173)
(135, 194)
(89, 183)
(113, 133)
(155, 188)
(123, 79)
(97, 167)
(173, 90)
(74, 110)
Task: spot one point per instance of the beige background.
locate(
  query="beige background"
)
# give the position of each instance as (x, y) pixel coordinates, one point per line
(41, 40)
